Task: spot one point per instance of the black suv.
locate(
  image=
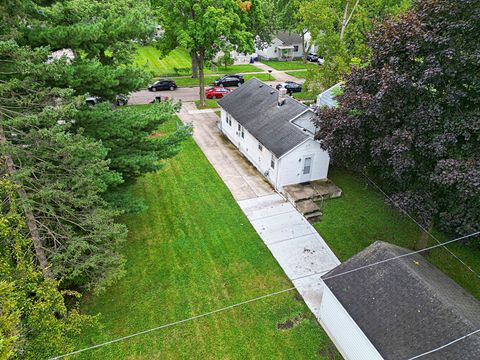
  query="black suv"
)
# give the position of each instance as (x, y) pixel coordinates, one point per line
(291, 87)
(163, 84)
(229, 80)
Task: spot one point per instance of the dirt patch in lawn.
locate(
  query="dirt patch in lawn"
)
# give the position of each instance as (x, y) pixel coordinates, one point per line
(291, 323)
(329, 351)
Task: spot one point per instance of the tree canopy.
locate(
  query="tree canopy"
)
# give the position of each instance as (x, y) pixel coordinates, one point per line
(411, 117)
(206, 27)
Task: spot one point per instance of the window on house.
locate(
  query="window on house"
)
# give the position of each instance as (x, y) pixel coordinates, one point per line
(242, 133)
(229, 120)
(239, 127)
(260, 147)
(272, 163)
(275, 49)
(295, 48)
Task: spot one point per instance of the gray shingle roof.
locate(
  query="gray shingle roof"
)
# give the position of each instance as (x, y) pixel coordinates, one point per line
(407, 306)
(254, 106)
(288, 38)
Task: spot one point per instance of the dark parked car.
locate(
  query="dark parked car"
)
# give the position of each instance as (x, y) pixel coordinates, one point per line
(163, 84)
(119, 100)
(312, 57)
(229, 80)
(291, 87)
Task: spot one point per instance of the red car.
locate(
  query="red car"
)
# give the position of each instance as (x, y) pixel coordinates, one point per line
(216, 92)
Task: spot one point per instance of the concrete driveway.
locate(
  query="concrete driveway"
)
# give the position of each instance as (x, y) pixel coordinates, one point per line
(293, 241)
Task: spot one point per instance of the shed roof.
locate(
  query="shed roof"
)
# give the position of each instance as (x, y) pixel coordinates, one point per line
(255, 106)
(289, 38)
(327, 98)
(407, 306)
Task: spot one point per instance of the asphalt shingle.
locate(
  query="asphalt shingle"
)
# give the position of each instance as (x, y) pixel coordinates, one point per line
(407, 306)
(255, 106)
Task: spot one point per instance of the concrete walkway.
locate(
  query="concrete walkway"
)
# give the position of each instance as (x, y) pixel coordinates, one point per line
(299, 249)
(279, 75)
(296, 245)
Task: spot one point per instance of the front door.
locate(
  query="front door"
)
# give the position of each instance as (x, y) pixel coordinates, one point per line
(306, 170)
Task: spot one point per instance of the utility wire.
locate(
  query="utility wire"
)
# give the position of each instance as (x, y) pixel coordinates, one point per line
(253, 300)
(445, 345)
(389, 259)
(420, 225)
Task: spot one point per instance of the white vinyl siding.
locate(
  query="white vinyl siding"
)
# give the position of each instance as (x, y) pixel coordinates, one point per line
(349, 339)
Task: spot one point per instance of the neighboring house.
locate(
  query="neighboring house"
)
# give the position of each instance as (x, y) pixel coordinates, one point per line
(274, 132)
(327, 98)
(397, 309)
(284, 46)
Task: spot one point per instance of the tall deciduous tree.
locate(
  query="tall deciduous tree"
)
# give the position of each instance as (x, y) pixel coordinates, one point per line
(339, 29)
(203, 27)
(411, 117)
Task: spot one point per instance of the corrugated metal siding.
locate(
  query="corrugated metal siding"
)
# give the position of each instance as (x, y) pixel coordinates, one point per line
(344, 332)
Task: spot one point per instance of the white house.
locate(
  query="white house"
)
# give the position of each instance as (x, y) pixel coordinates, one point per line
(397, 309)
(274, 132)
(284, 46)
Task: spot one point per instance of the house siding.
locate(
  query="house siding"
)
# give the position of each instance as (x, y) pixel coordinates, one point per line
(287, 169)
(248, 146)
(291, 164)
(349, 339)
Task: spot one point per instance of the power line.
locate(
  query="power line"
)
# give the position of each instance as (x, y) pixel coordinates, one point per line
(174, 323)
(420, 225)
(445, 345)
(252, 300)
(392, 258)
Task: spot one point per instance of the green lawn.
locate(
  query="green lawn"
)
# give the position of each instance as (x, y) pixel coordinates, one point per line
(209, 104)
(180, 59)
(191, 252)
(298, 74)
(360, 217)
(234, 69)
(285, 65)
(304, 95)
(150, 56)
(189, 82)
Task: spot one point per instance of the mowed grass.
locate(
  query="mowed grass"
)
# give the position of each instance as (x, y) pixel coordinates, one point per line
(189, 82)
(191, 252)
(298, 74)
(209, 104)
(179, 58)
(360, 217)
(233, 69)
(150, 57)
(285, 65)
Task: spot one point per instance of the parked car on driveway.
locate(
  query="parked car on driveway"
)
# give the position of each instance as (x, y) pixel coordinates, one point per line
(291, 87)
(162, 84)
(229, 80)
(216, 92)
(312, 57)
